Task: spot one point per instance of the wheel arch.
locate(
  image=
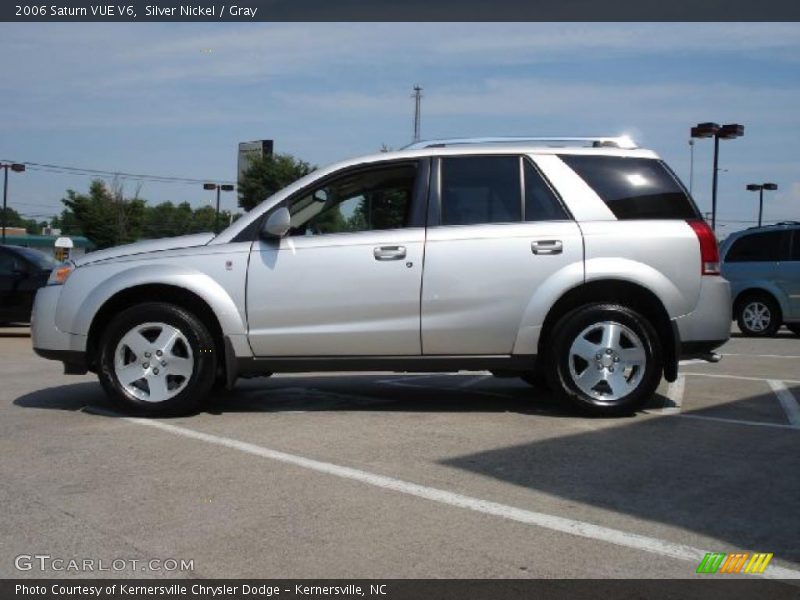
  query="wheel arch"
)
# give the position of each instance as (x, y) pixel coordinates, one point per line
(625, 293)
(762, 289)
(169, 293)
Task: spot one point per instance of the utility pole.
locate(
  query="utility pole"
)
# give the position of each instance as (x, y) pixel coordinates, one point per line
(417, 108)
(17, 168)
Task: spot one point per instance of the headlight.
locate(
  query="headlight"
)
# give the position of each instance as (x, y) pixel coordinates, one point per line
(60, 274)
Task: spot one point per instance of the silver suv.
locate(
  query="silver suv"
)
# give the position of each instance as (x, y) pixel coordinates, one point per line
(580, 264)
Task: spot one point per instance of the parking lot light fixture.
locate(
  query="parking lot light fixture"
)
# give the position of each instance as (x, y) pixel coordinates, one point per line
(725, 132)
(17, 168)
(760, 187)
(224, 187)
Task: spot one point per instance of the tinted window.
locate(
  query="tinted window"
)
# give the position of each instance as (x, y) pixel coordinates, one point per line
(765, 246)
(373, 199)
(634, 188)
(795, 245)
(7, 263)
(481, 189)
(39, 259)
(541, 203)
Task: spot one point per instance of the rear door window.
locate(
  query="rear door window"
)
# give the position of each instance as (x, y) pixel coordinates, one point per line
(481, 189)
(541, 203)
(765, 246)
(634, 188)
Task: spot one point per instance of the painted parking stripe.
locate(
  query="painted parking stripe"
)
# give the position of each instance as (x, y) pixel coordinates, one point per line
(675, 394)
(738, 421)
(739, 377)
(473, 381)
(787, 400)
(404, 382)
(543, 520)
(789, 356)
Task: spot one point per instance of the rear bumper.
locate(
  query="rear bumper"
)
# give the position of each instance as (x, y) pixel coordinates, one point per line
(48, 340)
(708, 326)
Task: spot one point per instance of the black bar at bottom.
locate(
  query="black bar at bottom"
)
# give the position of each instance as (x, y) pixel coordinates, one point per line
(733, 588)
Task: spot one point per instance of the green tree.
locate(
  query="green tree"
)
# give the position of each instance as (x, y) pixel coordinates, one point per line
(269, 174)
(67, 222)
(14, 219)
(105, 216)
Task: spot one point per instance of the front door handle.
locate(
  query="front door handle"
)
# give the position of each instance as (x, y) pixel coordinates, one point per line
(389, 252)
(547, 247)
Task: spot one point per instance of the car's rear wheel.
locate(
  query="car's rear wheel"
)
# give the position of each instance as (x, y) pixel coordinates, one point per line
(606, 359)
(794, 328)
(758, 315)
(157, 359)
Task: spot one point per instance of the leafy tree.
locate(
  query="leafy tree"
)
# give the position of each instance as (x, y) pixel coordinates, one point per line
(14, 219)
(67, 222)
(106, 217)
(269, 174)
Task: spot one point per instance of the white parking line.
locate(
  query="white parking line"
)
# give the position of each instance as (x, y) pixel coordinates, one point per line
(473, 380)
(737, 421)
(403, 382)
(787, 400)
(795, 357)
(673, 398)
(740, 377)
(675, 394)
(546, 521)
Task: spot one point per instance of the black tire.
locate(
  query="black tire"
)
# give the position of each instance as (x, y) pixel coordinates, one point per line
(754, 310)
(638, 341)
(194, 349)
(794, 328)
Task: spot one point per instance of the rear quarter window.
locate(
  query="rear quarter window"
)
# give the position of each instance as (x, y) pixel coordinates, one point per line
(634, 188)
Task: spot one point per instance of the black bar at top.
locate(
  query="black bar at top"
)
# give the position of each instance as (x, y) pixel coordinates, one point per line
(405, 10)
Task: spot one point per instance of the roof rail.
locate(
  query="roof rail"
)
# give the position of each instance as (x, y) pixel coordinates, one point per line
(622, 141)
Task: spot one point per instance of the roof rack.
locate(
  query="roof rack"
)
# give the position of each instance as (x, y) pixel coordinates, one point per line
(622, 141)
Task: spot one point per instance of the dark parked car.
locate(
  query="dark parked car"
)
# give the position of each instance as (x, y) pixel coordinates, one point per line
(22, 272)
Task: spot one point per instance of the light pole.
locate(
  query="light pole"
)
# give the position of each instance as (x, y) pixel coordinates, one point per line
(17, 168)
(760, 187)
(725, 132)
(226, 187)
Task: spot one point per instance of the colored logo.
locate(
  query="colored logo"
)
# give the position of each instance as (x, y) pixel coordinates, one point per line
(737, 562)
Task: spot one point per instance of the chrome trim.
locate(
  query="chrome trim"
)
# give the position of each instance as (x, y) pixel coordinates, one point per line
(622, 141)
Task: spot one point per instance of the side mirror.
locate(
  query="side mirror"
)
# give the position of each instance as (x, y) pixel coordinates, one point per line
(278, 223)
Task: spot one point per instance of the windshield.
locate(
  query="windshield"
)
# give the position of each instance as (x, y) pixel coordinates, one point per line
(40, 259)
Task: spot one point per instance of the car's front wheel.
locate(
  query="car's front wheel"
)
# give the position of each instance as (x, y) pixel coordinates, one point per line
(606, 359)
(157, 358)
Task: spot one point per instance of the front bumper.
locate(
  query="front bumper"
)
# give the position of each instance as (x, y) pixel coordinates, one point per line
(48, 340)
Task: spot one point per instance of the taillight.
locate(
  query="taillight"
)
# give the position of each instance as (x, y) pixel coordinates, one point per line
(709, 250)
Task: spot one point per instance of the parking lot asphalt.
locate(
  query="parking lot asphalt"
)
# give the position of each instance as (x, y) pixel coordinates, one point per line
(405, 475)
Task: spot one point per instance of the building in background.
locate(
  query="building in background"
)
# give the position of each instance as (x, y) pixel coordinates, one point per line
(17, 236)
(251, 151)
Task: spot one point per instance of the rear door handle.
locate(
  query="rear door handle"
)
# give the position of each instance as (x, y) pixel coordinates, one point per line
(389, 252)
(547, 247)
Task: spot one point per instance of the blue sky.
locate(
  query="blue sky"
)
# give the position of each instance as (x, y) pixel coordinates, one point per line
(175, 99)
